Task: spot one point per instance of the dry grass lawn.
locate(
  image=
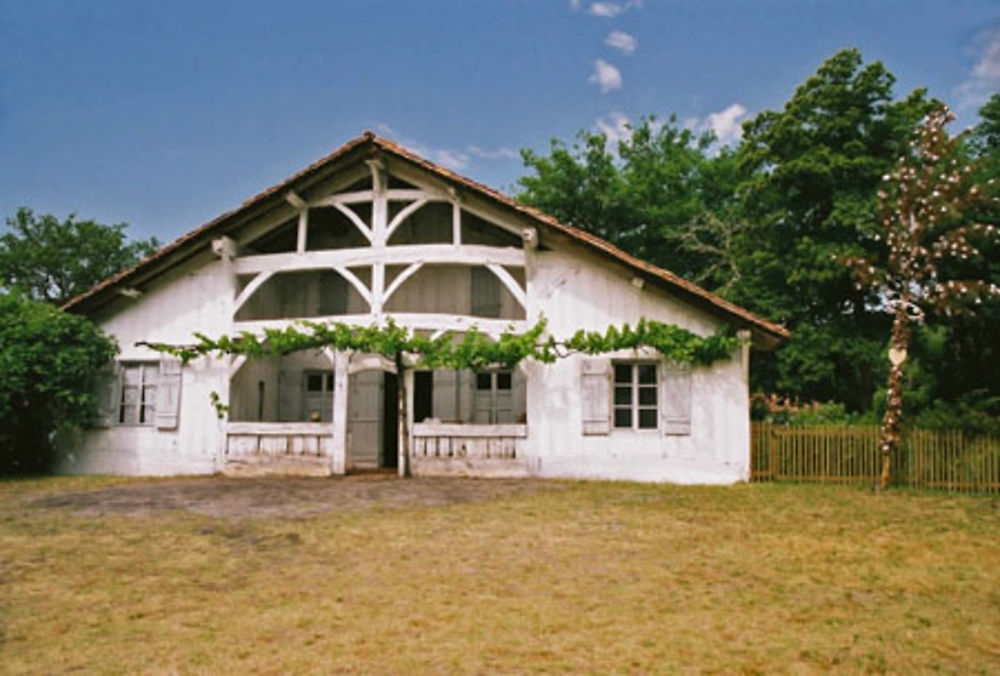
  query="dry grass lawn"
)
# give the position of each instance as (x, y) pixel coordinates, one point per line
(554, 577)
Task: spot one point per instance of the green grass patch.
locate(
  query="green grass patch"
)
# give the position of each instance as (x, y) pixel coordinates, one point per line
(566, 577)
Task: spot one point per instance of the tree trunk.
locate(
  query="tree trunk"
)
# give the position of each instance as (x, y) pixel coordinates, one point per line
(891, 432)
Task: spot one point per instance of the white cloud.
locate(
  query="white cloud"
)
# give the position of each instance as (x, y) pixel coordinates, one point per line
(727, 124)
(606, 76)
(614, 126)
(622, 40)
(501, 153)
(452, 159)
(984, 79)
(608, 10)
(574, 5)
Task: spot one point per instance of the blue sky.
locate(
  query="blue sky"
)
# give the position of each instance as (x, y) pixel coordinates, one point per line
(165, 114)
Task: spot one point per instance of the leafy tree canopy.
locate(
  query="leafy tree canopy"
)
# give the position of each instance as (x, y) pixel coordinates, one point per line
(48, 362)
(52, 261)
(640, 193)
(814, 169)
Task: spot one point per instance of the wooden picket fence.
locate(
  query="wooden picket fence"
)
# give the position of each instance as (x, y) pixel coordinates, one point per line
(942, 459)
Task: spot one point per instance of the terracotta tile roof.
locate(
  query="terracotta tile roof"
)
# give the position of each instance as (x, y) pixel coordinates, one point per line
(202, 235)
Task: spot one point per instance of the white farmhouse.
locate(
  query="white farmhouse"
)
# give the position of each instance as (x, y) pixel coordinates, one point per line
(373, 231)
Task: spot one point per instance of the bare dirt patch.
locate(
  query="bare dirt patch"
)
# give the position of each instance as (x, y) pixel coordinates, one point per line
(284, 496)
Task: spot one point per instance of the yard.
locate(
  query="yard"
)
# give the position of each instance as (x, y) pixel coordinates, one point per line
(371, 574)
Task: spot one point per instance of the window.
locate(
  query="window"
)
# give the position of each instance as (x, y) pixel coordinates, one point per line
(635, 399)
(318, 396)
(494, 400)
(137, 399)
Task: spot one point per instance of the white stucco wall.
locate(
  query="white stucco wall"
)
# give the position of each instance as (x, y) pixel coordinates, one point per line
(578, 292)
(195, 297)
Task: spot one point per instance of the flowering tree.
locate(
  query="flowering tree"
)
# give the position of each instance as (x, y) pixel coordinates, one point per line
(927, 219)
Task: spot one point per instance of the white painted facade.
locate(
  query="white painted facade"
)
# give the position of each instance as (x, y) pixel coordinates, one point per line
(467, 261)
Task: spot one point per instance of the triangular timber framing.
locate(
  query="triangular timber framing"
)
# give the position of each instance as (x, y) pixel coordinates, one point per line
(370, 155)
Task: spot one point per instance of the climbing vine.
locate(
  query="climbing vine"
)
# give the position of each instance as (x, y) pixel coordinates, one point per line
(475, 350)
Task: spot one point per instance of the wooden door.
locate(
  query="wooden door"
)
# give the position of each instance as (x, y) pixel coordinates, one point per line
(364, 418)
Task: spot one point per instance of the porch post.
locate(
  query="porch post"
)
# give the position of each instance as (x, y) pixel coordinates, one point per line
(405, 380)
(338, 454)
(220, 371)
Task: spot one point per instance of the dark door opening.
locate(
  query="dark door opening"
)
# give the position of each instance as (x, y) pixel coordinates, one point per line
(390, 421)
(423, 395)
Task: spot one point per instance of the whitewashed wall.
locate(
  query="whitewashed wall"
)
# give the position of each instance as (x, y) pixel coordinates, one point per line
(576, 292)
(196, 297)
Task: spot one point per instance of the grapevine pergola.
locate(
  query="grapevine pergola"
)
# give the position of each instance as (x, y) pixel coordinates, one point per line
(475, 350)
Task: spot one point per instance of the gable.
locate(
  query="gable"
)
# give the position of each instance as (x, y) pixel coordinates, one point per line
(330, 206)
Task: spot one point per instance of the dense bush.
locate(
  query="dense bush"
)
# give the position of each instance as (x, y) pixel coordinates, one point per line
(48, 364)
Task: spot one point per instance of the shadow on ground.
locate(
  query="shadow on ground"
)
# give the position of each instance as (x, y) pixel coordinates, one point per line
(281, 496)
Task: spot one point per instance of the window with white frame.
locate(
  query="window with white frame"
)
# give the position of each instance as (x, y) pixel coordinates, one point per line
(636, 404)
(137, 393)
(494, 398)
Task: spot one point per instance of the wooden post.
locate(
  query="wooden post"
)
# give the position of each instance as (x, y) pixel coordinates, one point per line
(341, 382)
(402, 376)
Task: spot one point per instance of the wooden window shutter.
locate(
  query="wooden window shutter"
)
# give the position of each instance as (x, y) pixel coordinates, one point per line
(675, 391)
(595, 395)
(106, 397)
(168, 394)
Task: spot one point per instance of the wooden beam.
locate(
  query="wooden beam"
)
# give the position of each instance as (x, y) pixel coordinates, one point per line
(370, 362)
(225, 247)
(346, 198)
(508, 281)
(279, 429)
(355, 219)
(529, 236)
(469, 254)
(411, 320)
(430, 429)
(341, 380)
(236, 364)
(377, 167)
(250, 289)
(400, 279)
(355, 282)
(293, 198)
(406, 212)
(302, 234)
(638, 282)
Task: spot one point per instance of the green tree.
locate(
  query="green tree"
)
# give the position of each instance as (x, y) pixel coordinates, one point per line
(985, 137)
(642, 193)
(52, 261)
(814, 169)
(48, 364)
